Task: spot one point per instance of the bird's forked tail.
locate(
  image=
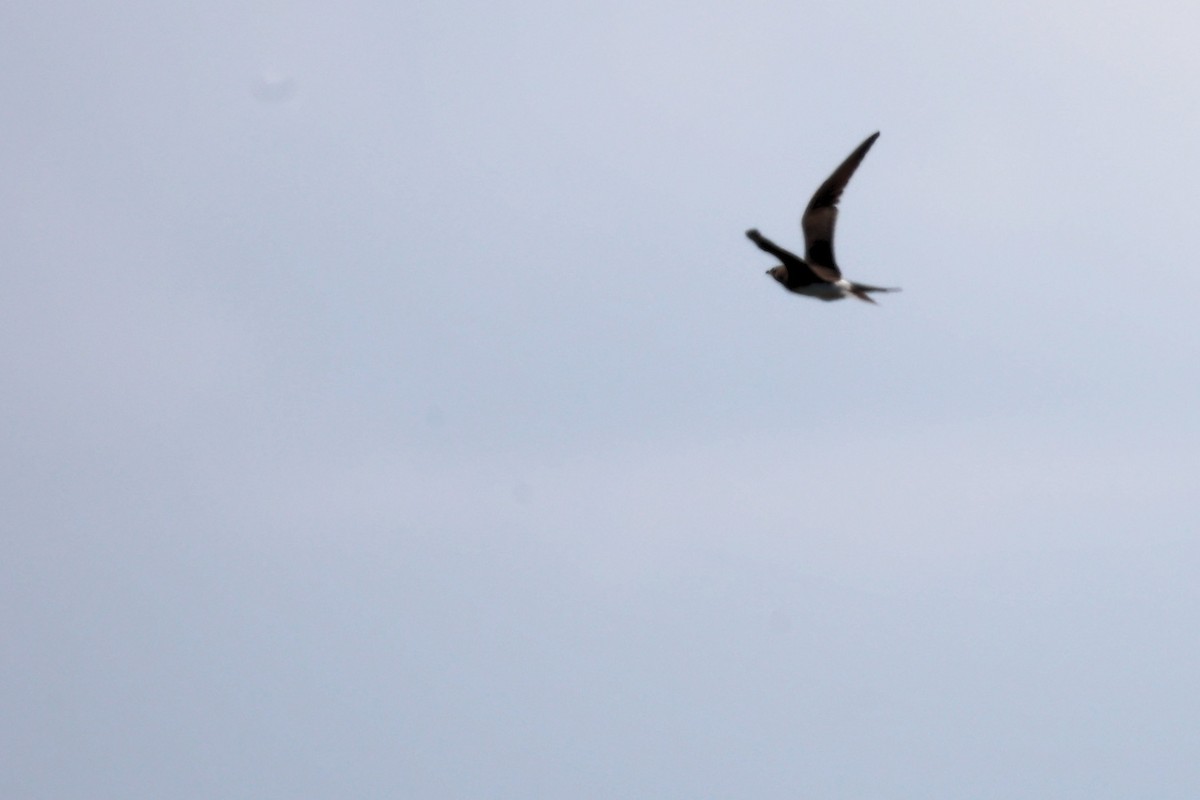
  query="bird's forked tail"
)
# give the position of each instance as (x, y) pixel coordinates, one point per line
(862, 291)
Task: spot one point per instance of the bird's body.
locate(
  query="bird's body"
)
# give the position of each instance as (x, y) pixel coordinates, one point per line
(817, 274)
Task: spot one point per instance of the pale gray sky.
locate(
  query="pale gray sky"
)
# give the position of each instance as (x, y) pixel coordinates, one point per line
(396, 408)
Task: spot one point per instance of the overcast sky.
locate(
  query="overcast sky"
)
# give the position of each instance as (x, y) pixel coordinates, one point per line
(394, 407)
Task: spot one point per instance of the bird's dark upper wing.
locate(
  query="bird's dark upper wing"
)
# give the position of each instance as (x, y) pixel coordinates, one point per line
(799, 273)
(820, 216)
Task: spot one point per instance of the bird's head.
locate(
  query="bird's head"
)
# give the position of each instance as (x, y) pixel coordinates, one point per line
(779, 273)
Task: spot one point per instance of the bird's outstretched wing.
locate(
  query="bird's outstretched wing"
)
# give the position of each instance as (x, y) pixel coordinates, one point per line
(799, 273)
(820, 217)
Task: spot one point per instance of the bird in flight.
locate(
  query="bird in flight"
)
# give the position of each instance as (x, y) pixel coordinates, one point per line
(817, 274)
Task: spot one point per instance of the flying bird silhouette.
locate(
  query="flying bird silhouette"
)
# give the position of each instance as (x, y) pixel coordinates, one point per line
(817, 274)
